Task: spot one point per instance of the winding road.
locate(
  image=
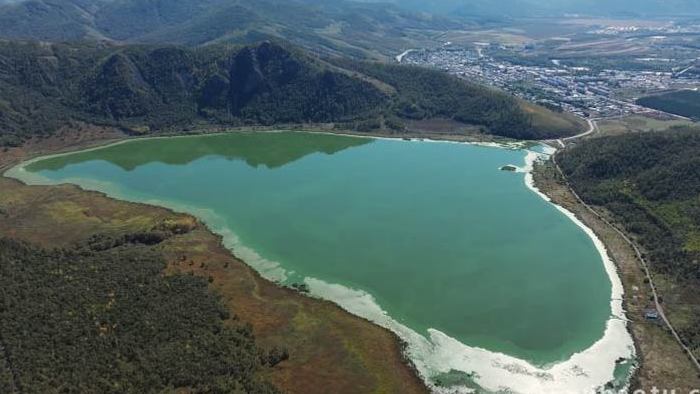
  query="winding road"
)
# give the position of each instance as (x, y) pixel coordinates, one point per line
(592, 128)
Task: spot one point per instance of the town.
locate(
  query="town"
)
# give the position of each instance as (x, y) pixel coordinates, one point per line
(580, 90)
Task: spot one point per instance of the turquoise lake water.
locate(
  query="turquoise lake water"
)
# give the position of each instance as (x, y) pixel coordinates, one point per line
(433, 231)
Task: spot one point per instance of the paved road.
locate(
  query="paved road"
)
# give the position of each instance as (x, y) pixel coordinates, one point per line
(592, 128)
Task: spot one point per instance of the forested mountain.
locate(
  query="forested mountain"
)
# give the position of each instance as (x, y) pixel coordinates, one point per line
(651, 183)
(348, 27)
(152, 89)
(424, 94)
(651, 179)
(113, 68)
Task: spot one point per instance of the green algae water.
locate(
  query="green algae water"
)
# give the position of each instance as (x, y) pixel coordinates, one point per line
(434, 234)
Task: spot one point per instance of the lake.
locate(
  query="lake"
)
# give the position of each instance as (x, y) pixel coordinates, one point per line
(431, 240)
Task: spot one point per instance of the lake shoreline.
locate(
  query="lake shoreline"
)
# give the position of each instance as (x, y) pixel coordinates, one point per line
(412, 383)
(619, 294)
(659, 359)
(18, 163)
(15, 155)
(529, 162)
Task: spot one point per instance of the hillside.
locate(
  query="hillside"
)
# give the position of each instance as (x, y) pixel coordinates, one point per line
(357, 29)
(429, 94)
(650, 183)
(683, 102)
(146, 89)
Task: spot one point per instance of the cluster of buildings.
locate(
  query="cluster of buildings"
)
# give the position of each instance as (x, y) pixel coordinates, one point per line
(579, 90)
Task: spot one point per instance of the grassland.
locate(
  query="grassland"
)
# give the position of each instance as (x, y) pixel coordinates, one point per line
(638, 123)
(468, 37)
(549, 122)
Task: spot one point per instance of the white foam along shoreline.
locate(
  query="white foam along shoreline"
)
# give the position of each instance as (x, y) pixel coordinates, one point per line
(270, 270)
(438, 353)
(583, 372)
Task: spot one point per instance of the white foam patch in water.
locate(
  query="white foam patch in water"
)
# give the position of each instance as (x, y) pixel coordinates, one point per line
(30, 178)
(268, 269)
(438, 353)
(530, 159)
(512, 145)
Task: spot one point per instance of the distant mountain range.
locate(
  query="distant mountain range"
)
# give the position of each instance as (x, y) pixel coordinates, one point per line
(377, 29)
(359, 29)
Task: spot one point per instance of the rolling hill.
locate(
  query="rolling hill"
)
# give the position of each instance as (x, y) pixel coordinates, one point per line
(363, 30)
(146, 89)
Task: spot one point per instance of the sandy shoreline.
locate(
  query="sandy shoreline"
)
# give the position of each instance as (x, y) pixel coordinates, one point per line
(438, 353)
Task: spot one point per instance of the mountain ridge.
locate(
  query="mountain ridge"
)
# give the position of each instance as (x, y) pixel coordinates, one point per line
(148, 89)
(363, 30)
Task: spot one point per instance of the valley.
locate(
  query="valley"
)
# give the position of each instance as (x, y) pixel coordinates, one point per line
(346, 196)
(592, 68)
